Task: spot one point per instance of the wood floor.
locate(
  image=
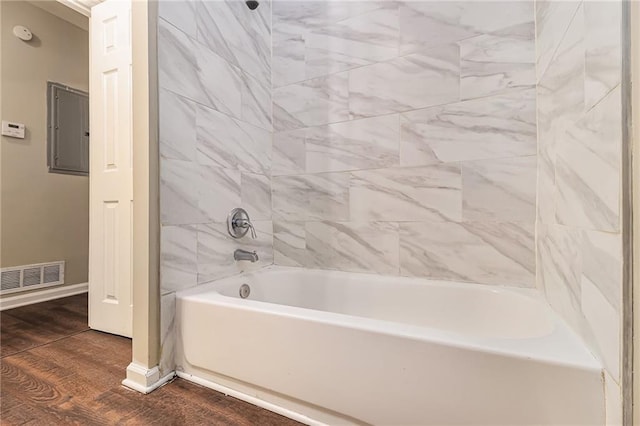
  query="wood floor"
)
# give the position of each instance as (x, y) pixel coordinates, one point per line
(55, 371)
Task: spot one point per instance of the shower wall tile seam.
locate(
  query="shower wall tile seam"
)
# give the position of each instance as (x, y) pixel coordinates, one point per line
(218, 167)
(306, 80)
(404, 167)
(561, 39)
(351, 120)
(203, 105)
(238, 71)
(204, 46)
(507, 91)
(400, 55)
(609, 92)
(410, 239)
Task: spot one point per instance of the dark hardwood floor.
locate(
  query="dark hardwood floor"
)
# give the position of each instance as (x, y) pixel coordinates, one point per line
(55, 371)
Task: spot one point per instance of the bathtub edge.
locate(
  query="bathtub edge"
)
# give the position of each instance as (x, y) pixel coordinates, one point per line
(294, 415)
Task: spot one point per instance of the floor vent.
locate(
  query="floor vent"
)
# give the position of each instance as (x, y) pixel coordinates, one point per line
(18, 278)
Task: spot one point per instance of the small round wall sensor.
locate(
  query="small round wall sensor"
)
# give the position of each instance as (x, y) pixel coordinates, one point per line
(22, 33)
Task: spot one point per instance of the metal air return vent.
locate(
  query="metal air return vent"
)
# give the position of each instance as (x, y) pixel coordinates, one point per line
(17, 278)
(11, 280)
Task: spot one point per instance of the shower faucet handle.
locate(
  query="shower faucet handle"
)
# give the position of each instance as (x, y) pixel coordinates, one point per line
(238, 224)
(245, 223)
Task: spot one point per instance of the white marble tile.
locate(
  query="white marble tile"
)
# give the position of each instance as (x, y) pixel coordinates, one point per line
(407, 194)
(433, 23)
(430, 23)
(559, 266)
(488, 253)
(294, 18)
(178, 258)
(288, 61)
(613, 401)
(216, 247)
(256, 196)
(220, 82)
(495, 127)
(289, 152)
(242, 37)
(604, 322)
(256, 102)
(352, 145)
(229, 143)
(353, 246)
(177, 127)
(515, 240)
(311, 103)
(495, 16)
(603, 67)
(588, 168)
(552, 20)
(167, 334)
(493, 63)
(360, 40)
(502, 189)
(289, 244)
(561, 87)
(216, 135)
(180, 13)
(419, 80)
(216, 24)
(179, 192)
(177, 62)
(219, 192)
(602, 264)
(546, 183)
(215, 252)
(311, 197)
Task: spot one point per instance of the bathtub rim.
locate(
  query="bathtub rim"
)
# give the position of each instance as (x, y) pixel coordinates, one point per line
(562, 346)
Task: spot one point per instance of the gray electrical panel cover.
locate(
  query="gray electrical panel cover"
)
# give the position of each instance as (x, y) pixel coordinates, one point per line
(67, 130)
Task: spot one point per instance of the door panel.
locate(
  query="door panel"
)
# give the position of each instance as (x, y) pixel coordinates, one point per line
(111, 173)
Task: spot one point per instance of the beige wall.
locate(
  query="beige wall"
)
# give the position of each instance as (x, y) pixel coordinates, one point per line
(45, 216)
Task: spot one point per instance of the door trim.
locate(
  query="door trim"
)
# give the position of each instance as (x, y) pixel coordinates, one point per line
(630, 203)
(146, 193)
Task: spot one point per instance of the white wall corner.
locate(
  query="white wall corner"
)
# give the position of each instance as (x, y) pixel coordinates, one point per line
(145, 380)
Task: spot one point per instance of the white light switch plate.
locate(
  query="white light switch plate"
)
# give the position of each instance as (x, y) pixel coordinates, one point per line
(13, 130)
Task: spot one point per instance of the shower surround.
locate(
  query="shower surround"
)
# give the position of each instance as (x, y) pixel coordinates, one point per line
(405, 138)
(464, 141)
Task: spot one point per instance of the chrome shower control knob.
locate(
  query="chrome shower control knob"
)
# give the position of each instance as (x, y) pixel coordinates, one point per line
(238, 224)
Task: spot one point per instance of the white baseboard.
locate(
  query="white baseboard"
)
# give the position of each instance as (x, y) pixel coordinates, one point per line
(15, 300)
(145, 380)
(250, 399)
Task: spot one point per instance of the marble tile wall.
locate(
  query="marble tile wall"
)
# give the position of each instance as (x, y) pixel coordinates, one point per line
(214, 60)
(579, 244)
(405, 138)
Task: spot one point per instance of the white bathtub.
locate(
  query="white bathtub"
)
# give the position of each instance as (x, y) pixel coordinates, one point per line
(336, 348)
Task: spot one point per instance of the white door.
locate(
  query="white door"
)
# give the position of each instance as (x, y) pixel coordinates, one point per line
(111, 173)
